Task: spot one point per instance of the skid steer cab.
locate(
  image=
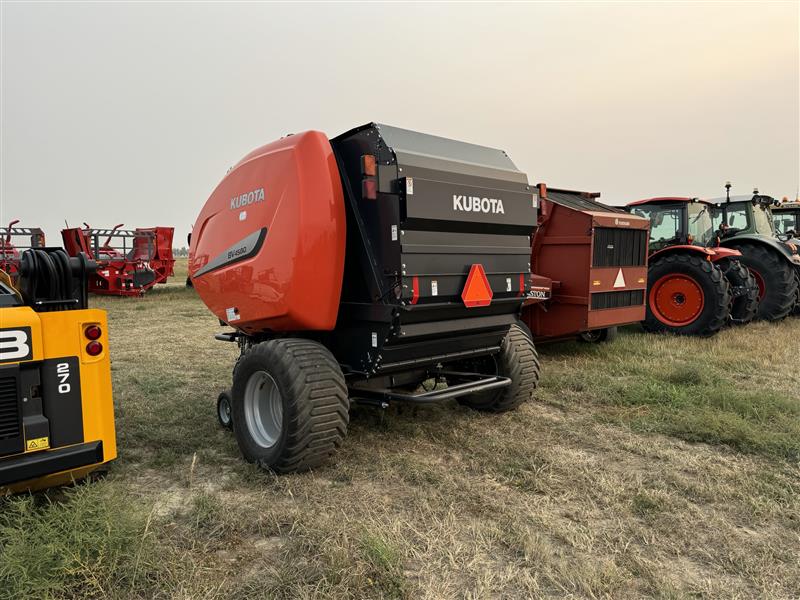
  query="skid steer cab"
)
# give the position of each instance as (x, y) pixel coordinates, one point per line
(56, 409)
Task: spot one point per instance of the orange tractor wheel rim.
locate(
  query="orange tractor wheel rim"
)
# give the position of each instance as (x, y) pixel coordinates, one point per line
(677, 300)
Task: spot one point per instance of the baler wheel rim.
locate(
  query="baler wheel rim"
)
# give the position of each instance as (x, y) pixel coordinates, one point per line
(677, 299)
(263, 409)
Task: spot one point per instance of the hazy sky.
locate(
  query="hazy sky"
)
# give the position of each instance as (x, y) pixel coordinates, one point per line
(132, 113)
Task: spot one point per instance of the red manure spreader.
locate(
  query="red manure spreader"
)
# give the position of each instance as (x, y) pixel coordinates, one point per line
(12, 241)
(130, 261)
(590, 268)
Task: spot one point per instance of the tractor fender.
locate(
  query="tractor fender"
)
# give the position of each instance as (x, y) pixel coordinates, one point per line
(711, 254)
(788, 251)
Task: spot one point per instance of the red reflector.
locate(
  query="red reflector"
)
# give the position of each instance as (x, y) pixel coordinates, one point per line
(94, 348)
(93, 332)
(414, 290)
(477, 291)
(521, 284)
(368, 165)
(369, 189)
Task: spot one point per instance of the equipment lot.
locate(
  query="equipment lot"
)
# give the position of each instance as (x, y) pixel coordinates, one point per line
(651, 466)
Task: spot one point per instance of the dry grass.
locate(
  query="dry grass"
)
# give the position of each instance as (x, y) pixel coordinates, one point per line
(651, 467)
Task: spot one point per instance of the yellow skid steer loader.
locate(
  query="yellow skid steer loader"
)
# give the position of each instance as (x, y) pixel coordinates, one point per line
(56, 407)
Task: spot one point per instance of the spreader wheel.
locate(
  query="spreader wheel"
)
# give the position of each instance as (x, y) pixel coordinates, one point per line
(224, 410)
(290, 405)
(597, 336)
(516, 360)
(744, 289)
(686, 295)
(776, 280)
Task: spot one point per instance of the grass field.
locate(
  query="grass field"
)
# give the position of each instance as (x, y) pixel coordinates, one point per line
(650, 467)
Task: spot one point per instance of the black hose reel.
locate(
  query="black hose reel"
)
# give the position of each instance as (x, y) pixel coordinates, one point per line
(50, 280)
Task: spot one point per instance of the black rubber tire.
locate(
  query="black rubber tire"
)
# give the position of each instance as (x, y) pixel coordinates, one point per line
(516, 360)
(224, 412)
(715, 288)
(780, 285)
(744, 306)
(796, 309)
(314, 398)
(598, 336)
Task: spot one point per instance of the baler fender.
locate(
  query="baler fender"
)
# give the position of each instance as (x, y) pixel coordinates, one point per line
(267, 250)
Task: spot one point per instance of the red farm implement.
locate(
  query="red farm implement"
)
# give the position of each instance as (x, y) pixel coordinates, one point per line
(589, 264)
(13, 240)
(130, 261)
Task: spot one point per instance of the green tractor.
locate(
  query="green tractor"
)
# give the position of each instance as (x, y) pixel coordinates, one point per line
(744, 223)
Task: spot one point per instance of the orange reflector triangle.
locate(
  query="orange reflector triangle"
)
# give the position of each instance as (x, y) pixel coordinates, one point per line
(477, 291)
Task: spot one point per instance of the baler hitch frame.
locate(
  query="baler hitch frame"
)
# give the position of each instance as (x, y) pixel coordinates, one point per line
(471, 383)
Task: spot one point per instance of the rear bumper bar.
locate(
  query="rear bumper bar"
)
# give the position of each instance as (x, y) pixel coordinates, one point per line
(30, 466)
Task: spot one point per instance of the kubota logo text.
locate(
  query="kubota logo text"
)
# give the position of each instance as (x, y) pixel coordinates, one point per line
(247, 199)
(478, 204)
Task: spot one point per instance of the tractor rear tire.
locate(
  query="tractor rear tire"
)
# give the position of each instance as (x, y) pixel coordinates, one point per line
(289, 404)
(518, 361)
(745, 305)
(777, 277)
(796, 309)
(702, 280)
(598, 336)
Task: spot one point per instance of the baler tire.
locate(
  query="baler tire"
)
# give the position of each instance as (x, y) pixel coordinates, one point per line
(708, 277)
(778, 277)
(745, 306)
(314, 400)
(518, 361)
(598, 336)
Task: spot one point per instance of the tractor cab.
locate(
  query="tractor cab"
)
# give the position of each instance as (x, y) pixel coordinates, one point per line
(748, 214)
(677, 221)
(786, 221)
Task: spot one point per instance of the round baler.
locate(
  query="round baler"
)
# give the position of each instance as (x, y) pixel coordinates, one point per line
(692, 287)
(357, 269)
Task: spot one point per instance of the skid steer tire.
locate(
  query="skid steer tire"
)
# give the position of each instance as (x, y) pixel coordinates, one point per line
(776, 280)
(745, 303)
(516, 360)
(289, 405)
(686, 295)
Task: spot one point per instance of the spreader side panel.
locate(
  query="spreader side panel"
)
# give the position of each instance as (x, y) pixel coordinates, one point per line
(267, 251)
